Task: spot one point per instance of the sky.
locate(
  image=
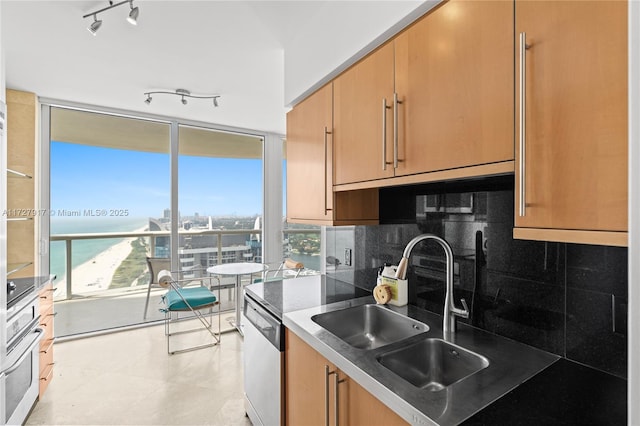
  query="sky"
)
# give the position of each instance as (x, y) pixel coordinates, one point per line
(117, 181)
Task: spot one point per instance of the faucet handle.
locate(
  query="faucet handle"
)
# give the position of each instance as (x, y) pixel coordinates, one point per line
(465, 309)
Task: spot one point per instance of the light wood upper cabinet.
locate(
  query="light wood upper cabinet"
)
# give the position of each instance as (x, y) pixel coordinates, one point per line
(438, 97)
(309, 164)
(310, 196)
(574, 159)
(306, 401)
(360, 118)
(454, 80)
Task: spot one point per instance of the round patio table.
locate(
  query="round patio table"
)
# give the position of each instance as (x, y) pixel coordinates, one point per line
(238, 269)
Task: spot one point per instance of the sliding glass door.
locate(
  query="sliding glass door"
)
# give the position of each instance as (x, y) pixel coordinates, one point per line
(126, 190)
(219, 201)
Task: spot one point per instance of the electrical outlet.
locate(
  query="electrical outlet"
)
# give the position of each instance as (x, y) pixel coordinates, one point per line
(347, 257)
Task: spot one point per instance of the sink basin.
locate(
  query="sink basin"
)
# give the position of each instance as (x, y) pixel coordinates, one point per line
(433, 364)
(369, 326)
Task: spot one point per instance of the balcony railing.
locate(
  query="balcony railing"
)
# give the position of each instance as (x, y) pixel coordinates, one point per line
(152, 235)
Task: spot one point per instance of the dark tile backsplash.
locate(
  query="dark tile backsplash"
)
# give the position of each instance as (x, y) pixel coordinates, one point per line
(568, 299)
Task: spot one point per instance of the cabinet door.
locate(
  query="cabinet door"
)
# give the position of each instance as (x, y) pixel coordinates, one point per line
(309, 185)
(306, 392)
(454, 79)
(46, 344)
(575, 86)
(360, 118)
(304, 383)
(357, 407)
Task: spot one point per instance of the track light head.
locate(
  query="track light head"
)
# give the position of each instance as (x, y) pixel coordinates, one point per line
(95, 25)
(132, 18)
(184, 101)
(133, 14)
(148, 100)
(215, 102)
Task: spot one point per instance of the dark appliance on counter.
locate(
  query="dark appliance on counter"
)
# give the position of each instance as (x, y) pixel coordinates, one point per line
(19, 383)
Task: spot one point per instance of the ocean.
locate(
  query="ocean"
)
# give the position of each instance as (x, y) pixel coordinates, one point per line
(309, 261)
(84, 250)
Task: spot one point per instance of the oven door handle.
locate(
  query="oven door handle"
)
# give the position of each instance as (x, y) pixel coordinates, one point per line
(31, 326)
(25, 354)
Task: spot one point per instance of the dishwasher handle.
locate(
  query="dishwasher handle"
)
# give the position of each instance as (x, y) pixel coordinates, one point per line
(265, 323)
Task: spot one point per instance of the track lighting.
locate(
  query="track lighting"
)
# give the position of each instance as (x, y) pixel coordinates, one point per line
(133, 15)
(183, 93)
(95, 25)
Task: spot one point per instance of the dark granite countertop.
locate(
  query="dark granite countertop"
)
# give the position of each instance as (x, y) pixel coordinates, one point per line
(565, 393)
(293, 294)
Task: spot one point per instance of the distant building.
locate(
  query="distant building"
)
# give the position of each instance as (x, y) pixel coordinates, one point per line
(198, 252)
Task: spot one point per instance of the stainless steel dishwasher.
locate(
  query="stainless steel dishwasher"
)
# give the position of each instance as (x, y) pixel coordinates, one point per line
(263, 361)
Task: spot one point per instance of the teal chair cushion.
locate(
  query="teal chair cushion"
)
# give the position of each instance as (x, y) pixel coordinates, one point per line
(196, 296)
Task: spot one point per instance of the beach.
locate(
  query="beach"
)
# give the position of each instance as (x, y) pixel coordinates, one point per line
(96, 273)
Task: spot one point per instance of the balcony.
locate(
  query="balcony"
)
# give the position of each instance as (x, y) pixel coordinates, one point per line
(109, 291)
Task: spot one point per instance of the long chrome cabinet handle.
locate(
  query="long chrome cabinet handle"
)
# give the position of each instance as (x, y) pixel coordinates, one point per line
(522, 135)
(396, 102)
(326, 164)
(327, 373)
(384, 134)
(336, 396)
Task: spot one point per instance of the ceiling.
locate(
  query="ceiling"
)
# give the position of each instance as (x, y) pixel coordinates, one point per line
(237, 49)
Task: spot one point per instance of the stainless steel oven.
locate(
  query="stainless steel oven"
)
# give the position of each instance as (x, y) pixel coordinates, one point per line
(19, 383)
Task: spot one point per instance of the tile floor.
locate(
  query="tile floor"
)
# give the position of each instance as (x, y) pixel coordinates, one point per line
(127, 378)
(116, 308)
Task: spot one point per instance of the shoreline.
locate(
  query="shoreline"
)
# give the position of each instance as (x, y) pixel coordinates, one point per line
(96, 273)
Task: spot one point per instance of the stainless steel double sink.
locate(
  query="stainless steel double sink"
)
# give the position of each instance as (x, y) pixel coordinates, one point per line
(398, 355)
(428, 363)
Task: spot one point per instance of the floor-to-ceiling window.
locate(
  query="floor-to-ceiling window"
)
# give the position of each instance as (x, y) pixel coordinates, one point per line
(108, 175)
(194, 196)
(219, 201)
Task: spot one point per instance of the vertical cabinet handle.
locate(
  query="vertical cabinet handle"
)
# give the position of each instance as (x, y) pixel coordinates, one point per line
(327, 373)
(385, 107)
(522, 131)
(336, 396)
(384, 134)
(326, 165)
(396, 102)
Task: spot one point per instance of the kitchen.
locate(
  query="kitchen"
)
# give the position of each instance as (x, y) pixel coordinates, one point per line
(556, 265)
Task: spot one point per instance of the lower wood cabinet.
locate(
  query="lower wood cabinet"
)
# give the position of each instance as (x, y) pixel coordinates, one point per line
(311, 385)
(46, 344)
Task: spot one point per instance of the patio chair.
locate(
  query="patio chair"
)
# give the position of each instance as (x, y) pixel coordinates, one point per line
(182, 298)
(288, 268)
(155, 265)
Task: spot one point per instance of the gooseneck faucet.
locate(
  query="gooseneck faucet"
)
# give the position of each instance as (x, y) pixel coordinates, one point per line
(450, 310)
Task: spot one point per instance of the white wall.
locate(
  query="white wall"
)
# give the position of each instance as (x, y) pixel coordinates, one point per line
(3, 205)
(272, 208)
(634, 214)
(310, 60)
